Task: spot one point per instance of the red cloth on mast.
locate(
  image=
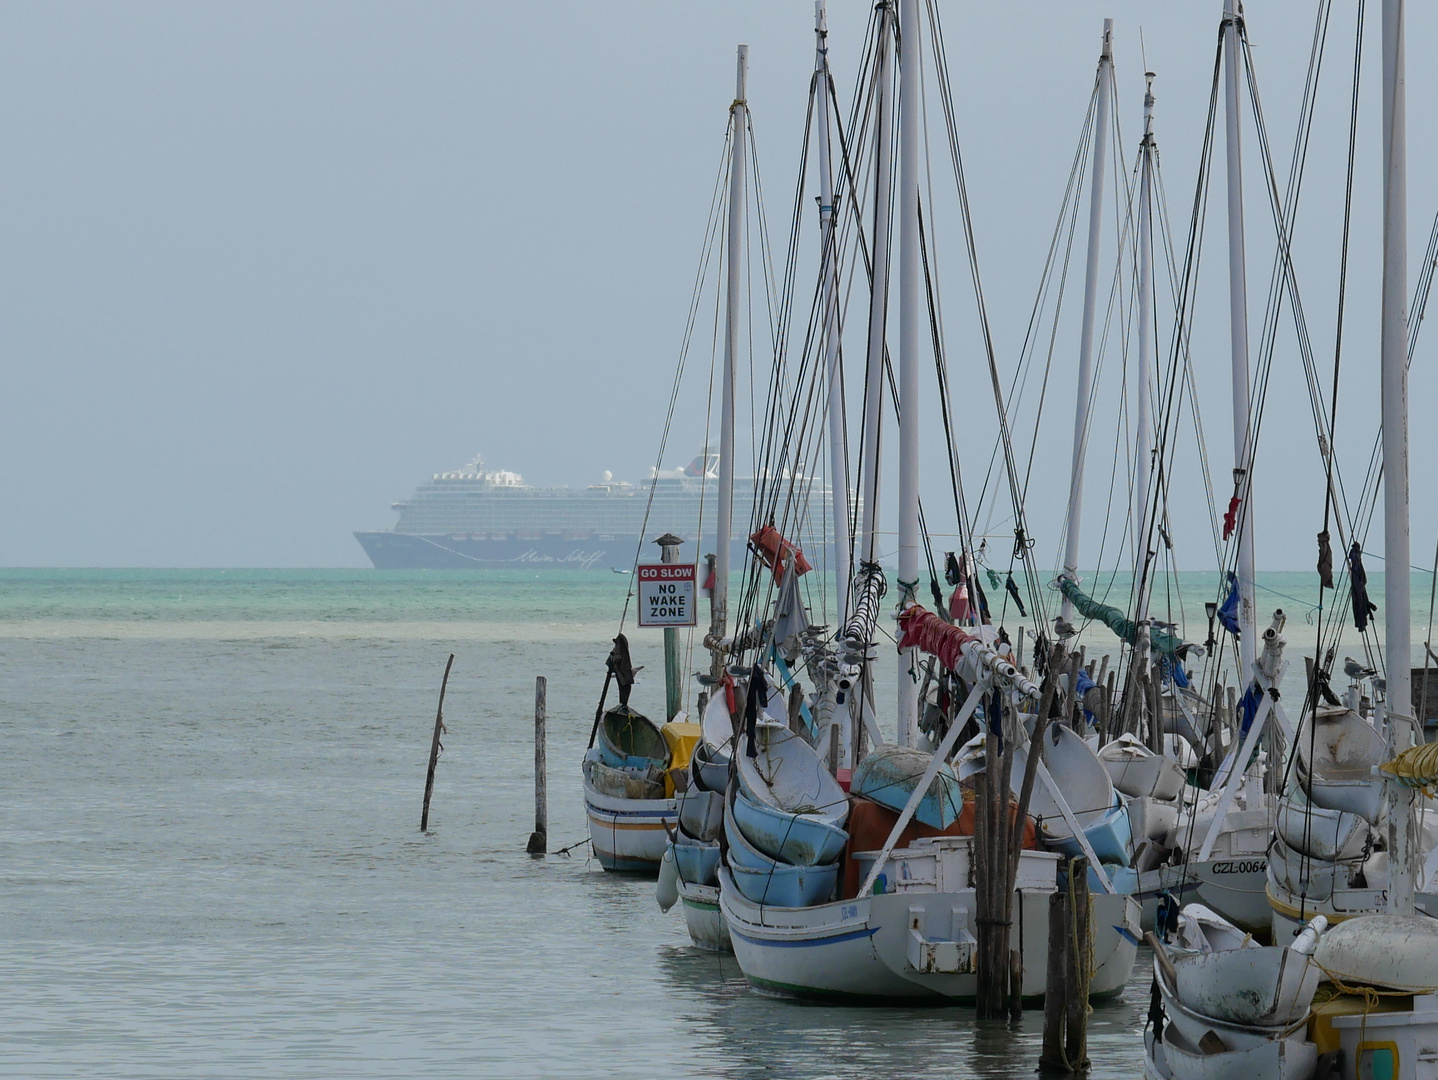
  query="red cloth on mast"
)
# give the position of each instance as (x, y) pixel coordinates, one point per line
(924, 630)
(1230, 519)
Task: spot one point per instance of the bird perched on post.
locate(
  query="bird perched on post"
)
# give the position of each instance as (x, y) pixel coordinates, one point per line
(1356, 671)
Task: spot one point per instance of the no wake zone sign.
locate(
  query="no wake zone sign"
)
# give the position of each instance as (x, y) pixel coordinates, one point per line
(666, 595)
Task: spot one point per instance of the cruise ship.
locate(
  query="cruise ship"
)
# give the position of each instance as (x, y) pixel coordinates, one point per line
(477, 517)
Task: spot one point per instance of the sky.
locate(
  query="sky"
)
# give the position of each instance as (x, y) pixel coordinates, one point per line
(264, 267)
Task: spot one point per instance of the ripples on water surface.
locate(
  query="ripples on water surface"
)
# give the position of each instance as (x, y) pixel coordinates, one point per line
(210, 863)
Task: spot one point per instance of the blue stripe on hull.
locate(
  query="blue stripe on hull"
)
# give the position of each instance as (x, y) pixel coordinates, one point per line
(805, 944)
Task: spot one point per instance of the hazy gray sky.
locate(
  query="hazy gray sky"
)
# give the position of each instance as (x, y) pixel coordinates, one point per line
(266, 266)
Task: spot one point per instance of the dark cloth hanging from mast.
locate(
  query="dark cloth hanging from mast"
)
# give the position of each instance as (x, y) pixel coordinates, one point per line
(622, 668)
(1228, 614)
(1363, 608)
(983, 600)
(952, 574)
(1116, 620)
(1013, 590)
(756, 700)
(1325, 561)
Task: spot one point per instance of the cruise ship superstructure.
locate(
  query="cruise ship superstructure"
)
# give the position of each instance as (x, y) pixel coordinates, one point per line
(479, 517)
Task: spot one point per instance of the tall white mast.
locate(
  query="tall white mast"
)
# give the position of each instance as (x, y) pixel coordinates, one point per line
(1090, 301)
(838, 460)
(909, 286)
(1394, 365)
(1143, 449)
(879, 294)
(878, 323)
(1238, 339)
(738, 113)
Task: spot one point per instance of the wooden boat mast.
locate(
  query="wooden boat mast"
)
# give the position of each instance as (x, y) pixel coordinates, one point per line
(1394, 367)
(1090, 302)
(719, 618)
(910, 90)
(1238, 340)
(838, 460)
(876, 353)
(1143, 450)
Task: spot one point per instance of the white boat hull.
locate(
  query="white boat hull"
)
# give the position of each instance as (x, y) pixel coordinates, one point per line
(907, 945)
(628, 835)
(1146, 775)
(707, 926)
(1265, 987)
(1292, 912)
(1293, 1058)
(1232, 887)
(1330, 835)
(1198, 1047)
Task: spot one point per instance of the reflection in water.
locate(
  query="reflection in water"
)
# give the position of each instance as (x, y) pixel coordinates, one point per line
(739, 1034)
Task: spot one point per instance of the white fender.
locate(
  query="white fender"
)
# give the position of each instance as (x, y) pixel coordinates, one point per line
(667, 890)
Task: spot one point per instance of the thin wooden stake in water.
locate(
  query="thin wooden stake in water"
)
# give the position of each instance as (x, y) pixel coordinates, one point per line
(434, 747)
(539, 838)
(1080, 974)
(1051, 1058)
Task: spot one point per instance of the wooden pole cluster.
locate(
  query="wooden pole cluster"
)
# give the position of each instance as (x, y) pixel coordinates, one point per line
(435, 748)
(539, 839)
(1069, 973)
(998, 840)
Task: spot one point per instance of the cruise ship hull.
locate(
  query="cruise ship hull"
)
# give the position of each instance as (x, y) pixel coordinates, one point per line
(415, 551)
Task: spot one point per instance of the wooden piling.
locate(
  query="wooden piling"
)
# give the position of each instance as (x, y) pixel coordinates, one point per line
(1075, 706)
(1155, 709)
(834, 750)
(1051, 1058)
(1080, 918)
(539, 839)
(1107, 731)
(1016, 984)
(990, 989)
(435, 747)
(1005, 846)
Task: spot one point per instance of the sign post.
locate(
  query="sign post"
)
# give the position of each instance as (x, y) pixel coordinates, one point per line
(667, 599)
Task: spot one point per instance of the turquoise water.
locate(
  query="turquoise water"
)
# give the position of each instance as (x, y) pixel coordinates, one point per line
(210, 863)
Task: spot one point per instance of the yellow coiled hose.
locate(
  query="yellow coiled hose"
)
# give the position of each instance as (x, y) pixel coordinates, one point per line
(1416, 767)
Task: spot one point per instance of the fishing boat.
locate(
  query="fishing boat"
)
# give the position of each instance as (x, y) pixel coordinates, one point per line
(628, 795)
(1232, 1008)
(1092, 804)
(1138, 772)
(916, 939)
(1338, 753)
(888, 775)
(786, 802)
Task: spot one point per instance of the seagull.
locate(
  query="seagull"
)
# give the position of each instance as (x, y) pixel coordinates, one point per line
(1063, 629)
(1356, 671)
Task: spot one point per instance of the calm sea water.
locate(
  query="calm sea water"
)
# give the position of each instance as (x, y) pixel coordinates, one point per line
(210, 862)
